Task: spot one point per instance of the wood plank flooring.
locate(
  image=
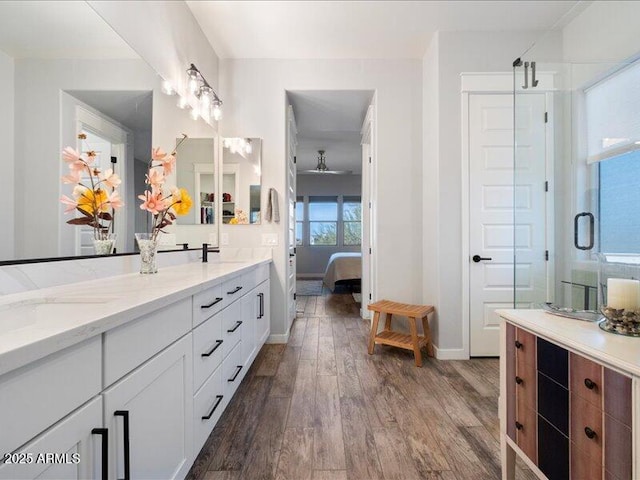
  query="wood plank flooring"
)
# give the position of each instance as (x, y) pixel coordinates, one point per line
(321, 408)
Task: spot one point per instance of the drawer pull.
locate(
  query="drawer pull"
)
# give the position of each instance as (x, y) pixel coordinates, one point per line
(590, 433)
(235, 290)
(590, 384)
(217, 300)
(238, 323)
(518, 344)
(213, 409)
(233, 379)
(127, 464)
(261, 305)
(519, 380)
(518, 426)
(210, 352)
(104, 433)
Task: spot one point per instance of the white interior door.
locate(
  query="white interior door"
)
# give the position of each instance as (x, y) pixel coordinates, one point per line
(291, 215)
(491, 214)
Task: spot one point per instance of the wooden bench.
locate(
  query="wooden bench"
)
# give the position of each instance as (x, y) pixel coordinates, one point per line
(396, 339)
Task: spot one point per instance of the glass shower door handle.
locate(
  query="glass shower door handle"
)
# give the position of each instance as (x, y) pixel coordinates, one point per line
(576, 240)
(478, 258)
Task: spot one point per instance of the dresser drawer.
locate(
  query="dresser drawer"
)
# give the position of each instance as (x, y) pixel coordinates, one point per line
(617, 449)
(525, 380)
(617, 396)
(553, 451)
(231, 327)
(585, 466)
(586, 426)
(525, 348)
(207, 349)
(208, 405)
(553, 403)
(586, 379)
(232, 367)
(526, 431)
(207, 303)
(234, 288)
(553, 361)
(128, 346)
(34, 397)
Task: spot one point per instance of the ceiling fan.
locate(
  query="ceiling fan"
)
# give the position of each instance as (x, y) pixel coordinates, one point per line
(322, 168)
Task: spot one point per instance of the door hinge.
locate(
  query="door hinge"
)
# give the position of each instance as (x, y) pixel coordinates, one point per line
(546, 186)
(369, 204)
(295, 296)
(295, 252)
(295, 159)
(369, 159)
(546, 255)
(369, 296)
(369, 250)
(546, 117)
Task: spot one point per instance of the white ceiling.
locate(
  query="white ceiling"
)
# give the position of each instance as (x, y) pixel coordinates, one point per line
(360, 29)
(61, 29)
(330, 120)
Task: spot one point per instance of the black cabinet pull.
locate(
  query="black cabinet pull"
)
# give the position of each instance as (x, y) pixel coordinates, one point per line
(518, 344)
(213, 409)
(127, 464)
(261, 303)
(519, 380)
(235, 290)
(590, 384)
(238, 323)
(590, 433)
(233, 379)
(104, 433)
(217, 300)
(210, 352)
(518, 426)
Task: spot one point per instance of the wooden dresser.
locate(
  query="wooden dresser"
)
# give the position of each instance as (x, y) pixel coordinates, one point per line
(568, 398)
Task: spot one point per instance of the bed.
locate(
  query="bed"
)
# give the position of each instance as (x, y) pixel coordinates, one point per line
(343, 266)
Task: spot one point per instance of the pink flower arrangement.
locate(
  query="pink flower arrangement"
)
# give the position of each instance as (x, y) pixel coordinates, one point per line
(94, 196)
(163, 206)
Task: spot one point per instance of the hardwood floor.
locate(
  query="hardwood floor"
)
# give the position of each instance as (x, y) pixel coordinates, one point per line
(320, 408)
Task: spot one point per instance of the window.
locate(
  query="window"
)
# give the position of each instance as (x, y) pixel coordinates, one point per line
(351, 221)
(619, 203)
(323, 220)
(299, 221)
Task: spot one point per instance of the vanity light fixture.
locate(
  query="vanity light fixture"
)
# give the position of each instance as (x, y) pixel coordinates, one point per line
(208, 99)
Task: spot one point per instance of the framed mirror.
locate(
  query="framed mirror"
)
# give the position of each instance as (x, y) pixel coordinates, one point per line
(241, 182)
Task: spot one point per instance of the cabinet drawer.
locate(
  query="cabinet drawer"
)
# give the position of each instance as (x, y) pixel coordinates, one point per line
(553, 361)
(231, 327)
(207, 349)
(35, 396)
(584, 466)
(208, 402)
(553, 451)
(130, 345)
(208, 303)
(234, 288)
(232, 367)
(525, 380)
(617, 449)
(553, 403)
(586, 426)
(525, 348)
(586, 379)
(617, 396)
(526, 431)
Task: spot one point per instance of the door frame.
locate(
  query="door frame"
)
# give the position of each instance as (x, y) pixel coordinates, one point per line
(487, 83)
(368, 196)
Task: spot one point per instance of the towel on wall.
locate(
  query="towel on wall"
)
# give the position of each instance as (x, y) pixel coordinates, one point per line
(273, 211)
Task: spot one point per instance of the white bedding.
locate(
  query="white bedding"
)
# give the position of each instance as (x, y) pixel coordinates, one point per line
(343, 266)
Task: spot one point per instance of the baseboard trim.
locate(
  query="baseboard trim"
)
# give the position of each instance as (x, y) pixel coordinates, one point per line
(278, 338)
(450, 353)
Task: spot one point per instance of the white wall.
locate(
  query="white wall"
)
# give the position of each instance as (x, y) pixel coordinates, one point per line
(254, 92)
(7, 158)
(454, 53)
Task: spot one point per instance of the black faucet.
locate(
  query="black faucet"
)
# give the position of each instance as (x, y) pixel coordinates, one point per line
(205, 252)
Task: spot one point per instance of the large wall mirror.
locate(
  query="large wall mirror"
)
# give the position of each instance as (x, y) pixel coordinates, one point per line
(241, 180)
(64, 71)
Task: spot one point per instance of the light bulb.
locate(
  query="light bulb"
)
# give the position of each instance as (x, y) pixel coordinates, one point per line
(193, 84)
(195, 113)
(167, 88)
(182, 102)
(217, 112)
(248, 148)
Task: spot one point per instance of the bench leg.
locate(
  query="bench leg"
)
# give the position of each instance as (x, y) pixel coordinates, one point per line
(387, 322)
(416, 341)
(427, 335)
(374, 332)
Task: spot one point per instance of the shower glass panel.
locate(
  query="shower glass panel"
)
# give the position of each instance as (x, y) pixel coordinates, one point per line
(576, 192)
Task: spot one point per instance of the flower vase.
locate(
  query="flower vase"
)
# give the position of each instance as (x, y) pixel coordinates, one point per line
(148, 246)
(104, 243)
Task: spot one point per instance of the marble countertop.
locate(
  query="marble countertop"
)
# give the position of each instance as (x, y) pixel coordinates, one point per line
(617, 351)
(37, 323)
